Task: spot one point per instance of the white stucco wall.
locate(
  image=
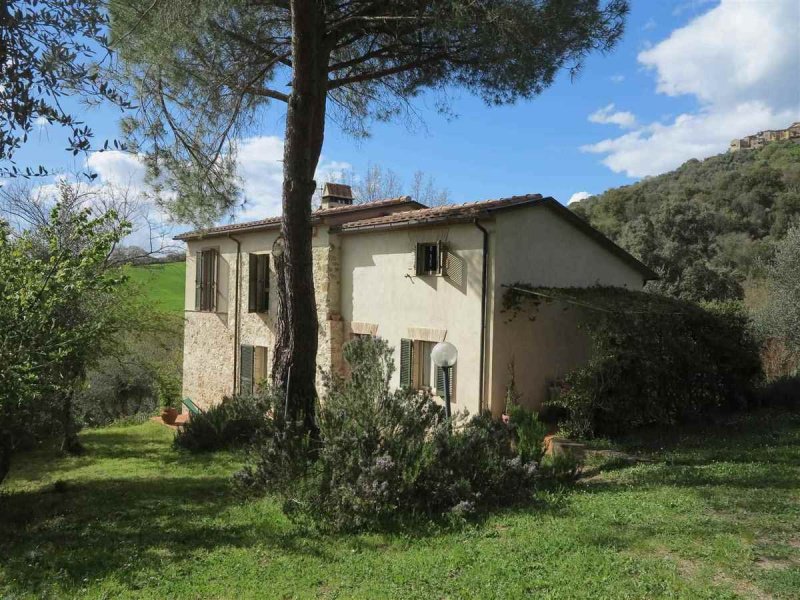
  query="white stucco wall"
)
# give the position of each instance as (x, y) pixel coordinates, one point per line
(538, 247)
(365, 283)
(381, 292)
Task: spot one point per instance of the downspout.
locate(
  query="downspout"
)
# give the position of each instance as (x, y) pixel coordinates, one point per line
(484, 283)
(236, 323)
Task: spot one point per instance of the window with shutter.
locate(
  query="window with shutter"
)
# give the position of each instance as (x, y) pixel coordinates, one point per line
(430, 258)
(440, 383)
(258, 283)
(406, 351)
(206, 280)
(198, 282)
(260, 367)
(246, 369)
(252, 285)
(263, 283)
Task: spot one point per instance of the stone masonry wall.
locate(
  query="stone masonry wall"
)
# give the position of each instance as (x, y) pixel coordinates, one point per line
(209, 337)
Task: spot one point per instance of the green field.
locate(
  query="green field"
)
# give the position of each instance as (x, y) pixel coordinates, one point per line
(163, 285)
(709, 514)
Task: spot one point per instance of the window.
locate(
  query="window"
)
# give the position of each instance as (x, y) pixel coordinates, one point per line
(258, 290)
(206, 280)
(431, 258)
(418, 372)
(252, 369)
(246, 369)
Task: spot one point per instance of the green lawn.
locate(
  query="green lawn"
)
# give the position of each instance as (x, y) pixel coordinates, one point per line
(163, 285)
(714, 514)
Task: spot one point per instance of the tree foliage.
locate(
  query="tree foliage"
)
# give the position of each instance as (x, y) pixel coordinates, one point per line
(57, 312)
(49, 50)
(203, 69)
(708, 225)
(654, 360)
(780, 318)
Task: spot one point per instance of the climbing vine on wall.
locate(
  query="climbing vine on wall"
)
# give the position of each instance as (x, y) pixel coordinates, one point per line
(654, 360)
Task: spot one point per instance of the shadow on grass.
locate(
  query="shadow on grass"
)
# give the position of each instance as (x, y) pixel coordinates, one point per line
(138, 506)
(95, 528)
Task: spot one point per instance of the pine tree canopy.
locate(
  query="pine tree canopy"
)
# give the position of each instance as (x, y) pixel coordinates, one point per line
(203, 69)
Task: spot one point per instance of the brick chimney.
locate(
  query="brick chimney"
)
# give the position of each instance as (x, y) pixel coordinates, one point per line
(336, 194)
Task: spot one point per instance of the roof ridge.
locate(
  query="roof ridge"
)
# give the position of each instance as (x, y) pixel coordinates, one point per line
(231, 227)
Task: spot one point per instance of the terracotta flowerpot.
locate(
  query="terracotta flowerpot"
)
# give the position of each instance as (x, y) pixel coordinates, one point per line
(169, 415)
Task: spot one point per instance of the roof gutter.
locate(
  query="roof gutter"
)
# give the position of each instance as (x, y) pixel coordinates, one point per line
(236, 318)
(484, 292)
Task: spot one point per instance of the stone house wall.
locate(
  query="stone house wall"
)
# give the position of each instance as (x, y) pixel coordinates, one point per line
(209, 336)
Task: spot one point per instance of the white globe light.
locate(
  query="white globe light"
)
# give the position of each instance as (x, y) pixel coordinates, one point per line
(444, 354)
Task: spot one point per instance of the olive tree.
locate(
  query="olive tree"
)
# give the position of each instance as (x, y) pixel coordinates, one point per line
(50, 49)
(780, 317)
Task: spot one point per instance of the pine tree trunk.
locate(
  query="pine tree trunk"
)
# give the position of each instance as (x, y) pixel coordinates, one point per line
(296, 353)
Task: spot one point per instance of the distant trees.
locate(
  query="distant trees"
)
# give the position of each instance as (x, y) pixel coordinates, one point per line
(780, 317)
(709, 225)
(378, 183)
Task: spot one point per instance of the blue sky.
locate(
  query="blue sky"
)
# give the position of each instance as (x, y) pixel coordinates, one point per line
(688, 76)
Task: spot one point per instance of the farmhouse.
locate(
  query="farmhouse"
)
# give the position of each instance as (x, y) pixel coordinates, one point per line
(409, 274)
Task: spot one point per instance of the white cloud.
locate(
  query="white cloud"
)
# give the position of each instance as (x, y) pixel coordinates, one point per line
(618, 78)
(117, 168)
(659, 147)
(261, 170)
(608, 116)
(741, 61)
(650, 24)
(578, 196)
(41, 122)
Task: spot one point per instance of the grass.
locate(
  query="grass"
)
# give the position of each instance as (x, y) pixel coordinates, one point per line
(161, 284)
(707, 514)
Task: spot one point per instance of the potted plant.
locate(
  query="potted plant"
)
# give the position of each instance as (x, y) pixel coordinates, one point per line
(169, 396)
(169, 414)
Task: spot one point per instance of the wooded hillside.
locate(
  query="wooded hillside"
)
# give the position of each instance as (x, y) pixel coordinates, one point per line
(708, 226)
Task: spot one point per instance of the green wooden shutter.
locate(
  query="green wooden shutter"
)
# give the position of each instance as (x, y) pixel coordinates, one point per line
(441, 264)
(252, 283)
(198, 281)
(208, 280)
(440, 382)
(246, 369)
(262, 281)
(420, 259)
(212, 279)
(406, 351)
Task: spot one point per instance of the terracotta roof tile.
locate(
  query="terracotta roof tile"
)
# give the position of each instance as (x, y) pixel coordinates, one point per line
(273, 222)
(437, 214)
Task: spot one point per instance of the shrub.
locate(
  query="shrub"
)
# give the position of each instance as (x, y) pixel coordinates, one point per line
(654, 361)
(384, 456)
(529, 431)
(782, 392)
(233, 423)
